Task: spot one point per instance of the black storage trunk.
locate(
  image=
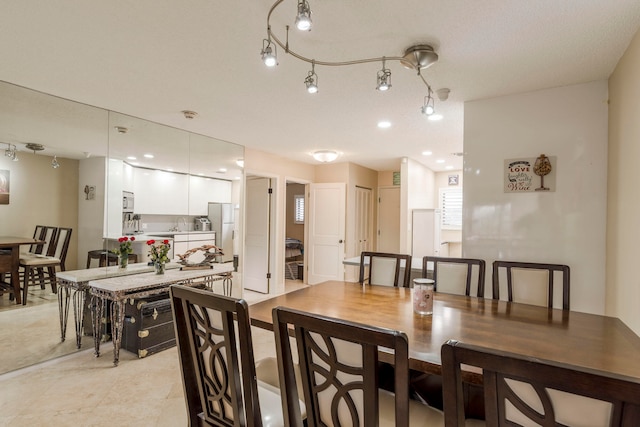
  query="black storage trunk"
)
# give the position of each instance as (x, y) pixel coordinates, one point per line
(148, 325)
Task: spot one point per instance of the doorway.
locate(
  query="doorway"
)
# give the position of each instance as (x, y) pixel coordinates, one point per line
(295, 222)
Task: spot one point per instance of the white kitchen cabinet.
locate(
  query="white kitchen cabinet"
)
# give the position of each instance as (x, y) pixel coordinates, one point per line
(203, 190)
(160, 192)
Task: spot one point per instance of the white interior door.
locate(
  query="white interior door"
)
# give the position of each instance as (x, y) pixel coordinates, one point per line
(389, 219)
(327, 211)
(257, 234)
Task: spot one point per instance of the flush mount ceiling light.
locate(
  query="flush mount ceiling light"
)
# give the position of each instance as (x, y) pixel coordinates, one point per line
(325, 156)
(417, 57)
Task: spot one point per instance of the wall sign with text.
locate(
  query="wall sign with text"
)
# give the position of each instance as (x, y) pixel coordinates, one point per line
(530, 174)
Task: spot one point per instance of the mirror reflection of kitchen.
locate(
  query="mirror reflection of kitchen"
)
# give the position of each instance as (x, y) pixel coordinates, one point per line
(93, 192)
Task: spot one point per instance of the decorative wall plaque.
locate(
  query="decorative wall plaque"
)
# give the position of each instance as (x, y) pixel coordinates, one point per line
(530, 174)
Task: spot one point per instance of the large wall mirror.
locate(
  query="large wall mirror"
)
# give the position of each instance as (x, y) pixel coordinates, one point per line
(174, 177)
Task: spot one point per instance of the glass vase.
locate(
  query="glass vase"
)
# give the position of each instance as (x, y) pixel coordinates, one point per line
(123, 261)
(159, 266)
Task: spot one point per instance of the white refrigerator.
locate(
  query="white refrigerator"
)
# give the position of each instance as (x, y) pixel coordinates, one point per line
(221, 217)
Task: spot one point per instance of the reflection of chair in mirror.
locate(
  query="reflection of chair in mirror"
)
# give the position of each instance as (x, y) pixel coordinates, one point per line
(38, 234)
(218, 369)
(522, 390)
(338, 361)
(531, 283)
(456, 275)
(41, 269)
(384, 269)
(5, 267)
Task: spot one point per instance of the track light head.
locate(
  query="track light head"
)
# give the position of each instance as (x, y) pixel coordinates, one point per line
(428, 106)
(311, 82)
(54, 162)
(269, 54)
(303, 18)
(384, 79)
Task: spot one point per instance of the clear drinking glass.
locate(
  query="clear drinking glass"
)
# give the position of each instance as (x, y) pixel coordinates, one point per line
(422, 295)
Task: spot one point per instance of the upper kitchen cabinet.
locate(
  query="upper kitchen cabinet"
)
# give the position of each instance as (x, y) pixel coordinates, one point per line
(214, 167)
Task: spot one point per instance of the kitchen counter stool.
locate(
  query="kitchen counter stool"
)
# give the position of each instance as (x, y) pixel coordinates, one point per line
(106, 258)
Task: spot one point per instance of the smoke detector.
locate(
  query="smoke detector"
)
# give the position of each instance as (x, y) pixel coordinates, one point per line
(188, 114)
(443, 94)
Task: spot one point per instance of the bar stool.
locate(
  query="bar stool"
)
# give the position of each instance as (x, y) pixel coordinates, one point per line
(106, 258)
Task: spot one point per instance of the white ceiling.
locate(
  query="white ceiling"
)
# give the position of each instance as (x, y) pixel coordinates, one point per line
(154, 58)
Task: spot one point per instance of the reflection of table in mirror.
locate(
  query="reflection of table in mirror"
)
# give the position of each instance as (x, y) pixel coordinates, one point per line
(11, 260)
(119, 289)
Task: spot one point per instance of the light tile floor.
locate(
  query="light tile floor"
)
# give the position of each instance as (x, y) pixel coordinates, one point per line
(81, 390)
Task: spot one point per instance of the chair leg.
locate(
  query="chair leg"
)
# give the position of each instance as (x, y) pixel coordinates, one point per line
(42, 278)
(25, 286)
(53, 279)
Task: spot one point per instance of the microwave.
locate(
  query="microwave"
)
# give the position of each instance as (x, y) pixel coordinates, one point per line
(127, 201)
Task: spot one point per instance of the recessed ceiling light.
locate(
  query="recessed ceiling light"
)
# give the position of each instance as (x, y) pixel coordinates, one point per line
(222, 170)
(435, 117)
(131, 158)
(427, 153)
(440, 161)
(170, 170)
(149, 156)
(200, 174)
(449, 167)
(384, 124)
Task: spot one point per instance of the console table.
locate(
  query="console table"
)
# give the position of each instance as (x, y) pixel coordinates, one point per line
(76, 282)
(119, 289)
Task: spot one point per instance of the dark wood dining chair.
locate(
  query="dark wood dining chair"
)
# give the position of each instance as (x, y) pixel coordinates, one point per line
(217, 364)
(384, 269)
(522, 390)
(530, 282)
(338, 361)
(455, 275)
(41, 269)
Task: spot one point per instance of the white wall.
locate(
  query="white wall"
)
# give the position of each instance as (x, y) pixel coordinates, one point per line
(417, 191)
(623, 232)
(564, 227)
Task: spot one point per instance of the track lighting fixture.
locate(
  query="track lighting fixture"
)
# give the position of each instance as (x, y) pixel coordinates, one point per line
(303, 18)
(11, 152)
(417, 57)
(54, 162)
(384, 78)
(269, 53)
(312, 80)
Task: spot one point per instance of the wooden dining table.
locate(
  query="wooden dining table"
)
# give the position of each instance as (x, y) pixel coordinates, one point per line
(588, 340)
(12, 244)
